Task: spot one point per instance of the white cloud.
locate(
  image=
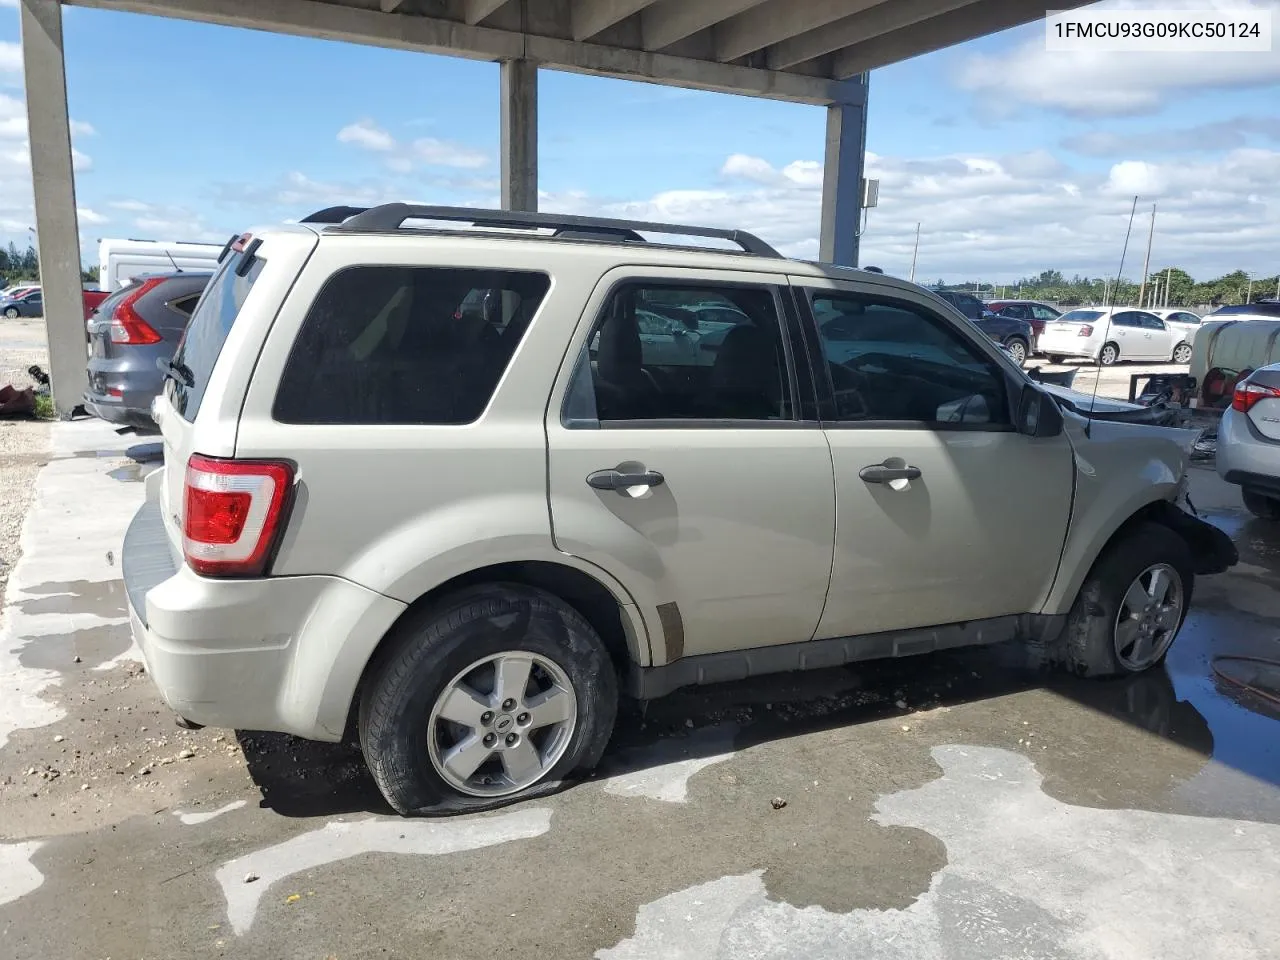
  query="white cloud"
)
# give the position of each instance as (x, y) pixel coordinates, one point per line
(10, 57)
(81, 129)
(367, 134)
(86, 215)
(1086, 83)
(748, 168)
(135, 206)
(404, 157)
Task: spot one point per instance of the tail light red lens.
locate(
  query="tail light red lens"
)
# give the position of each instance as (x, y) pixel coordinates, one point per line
(1248, 394)
(1086, 330)
(235, 511)
(127, 326)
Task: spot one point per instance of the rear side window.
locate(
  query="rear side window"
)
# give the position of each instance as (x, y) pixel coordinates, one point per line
(409, 345)
(202, 342)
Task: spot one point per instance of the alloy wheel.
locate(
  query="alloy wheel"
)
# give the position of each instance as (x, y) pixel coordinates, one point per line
(1149, 615)
(501, 724)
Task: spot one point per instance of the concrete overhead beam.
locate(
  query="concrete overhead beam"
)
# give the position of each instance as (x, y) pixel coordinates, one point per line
(778, 20)
(589, 17)
(476, 10)
(974, 20)
(332, 22)
(389, 6)
(669, 21)
(882, 18)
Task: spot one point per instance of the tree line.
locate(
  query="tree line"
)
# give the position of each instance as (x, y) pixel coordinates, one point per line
(23, 266)
(1183, 289)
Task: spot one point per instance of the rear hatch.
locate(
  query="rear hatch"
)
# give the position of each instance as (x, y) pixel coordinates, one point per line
(98, 326)
(1260, 398)
(1070, 331)
(206, 380)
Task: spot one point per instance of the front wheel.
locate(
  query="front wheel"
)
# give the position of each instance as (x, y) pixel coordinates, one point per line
(1131, 605)
(1182, 353)
(1108, 355)
(11, 313)
(1017, 350)
(1260, 505)
(497, 694)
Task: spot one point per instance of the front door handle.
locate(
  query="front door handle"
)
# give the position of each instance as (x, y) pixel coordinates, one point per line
(882, 473)
(621, 482)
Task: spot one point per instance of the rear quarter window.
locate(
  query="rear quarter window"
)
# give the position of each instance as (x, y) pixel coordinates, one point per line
(201, 343)
(406, 345)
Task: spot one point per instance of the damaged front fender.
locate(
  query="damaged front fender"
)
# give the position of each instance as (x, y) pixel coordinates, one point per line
(1212, 551)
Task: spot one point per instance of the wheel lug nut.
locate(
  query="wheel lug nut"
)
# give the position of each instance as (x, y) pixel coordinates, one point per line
(487, 717)
(508, 704)
(511, 739)
(490, 739)
(522, 719)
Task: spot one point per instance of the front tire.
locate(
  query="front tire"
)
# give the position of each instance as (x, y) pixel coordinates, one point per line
(12, 313)
(1131, 605)
(495, 694)
(1057, 358)
(1182, 353)
(1260, 505)
(1109, 354)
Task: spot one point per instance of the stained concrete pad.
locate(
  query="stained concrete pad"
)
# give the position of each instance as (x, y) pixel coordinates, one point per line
(952, 806)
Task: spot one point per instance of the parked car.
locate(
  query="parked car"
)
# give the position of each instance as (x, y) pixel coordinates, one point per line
(1016, 336)
(1249, 441)
(10, 293)
(92, 300)
(1111, 334)
(1184, 321)
(1035, 313)
(133, 329)
(461, 538)
(1244, 311)
(26, 303)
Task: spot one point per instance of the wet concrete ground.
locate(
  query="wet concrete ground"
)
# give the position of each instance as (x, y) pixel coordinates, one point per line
(950, 806)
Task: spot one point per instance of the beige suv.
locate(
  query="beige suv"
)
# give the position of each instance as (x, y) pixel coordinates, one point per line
(455, 480)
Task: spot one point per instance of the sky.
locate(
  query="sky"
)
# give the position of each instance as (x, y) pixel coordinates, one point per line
(1013, 159)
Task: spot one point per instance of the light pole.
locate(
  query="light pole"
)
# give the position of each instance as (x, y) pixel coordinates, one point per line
(915, 250)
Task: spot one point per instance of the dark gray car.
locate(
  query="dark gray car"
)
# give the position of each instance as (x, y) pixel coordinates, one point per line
(128, 333)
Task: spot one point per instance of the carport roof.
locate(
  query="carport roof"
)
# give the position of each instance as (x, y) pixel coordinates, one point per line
(799, 50)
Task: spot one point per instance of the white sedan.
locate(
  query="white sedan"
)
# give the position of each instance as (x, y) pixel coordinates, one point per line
(1110, 334)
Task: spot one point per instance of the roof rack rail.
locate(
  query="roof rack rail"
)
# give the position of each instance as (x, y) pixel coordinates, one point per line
(390, 216)
(333, 214)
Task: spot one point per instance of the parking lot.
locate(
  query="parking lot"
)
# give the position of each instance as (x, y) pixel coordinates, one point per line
(953, 805)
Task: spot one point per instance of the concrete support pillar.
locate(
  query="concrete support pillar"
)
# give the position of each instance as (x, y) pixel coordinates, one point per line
(519, 135)
(842, 177)
(57, 233)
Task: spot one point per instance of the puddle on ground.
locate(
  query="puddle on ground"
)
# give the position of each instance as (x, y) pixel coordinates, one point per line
(94, 646)
(129, 473)
(99, 598)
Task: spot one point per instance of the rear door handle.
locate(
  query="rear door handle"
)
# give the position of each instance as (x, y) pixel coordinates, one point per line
(879, 473)
(621, 482)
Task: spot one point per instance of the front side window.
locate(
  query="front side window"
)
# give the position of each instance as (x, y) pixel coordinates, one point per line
(1187, 318)
(663, 352)
(894, 361)
(406, 345)
(1044, 313)
(1129, 318)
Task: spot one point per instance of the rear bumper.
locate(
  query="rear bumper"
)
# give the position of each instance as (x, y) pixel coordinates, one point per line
(1246, 458)
(1066, 349)
(282, 654)
(114, 410)
(120, 392)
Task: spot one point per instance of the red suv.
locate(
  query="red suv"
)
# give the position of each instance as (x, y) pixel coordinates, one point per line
(1035, 313)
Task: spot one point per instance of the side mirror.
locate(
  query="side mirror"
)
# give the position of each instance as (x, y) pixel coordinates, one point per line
(1038, 413)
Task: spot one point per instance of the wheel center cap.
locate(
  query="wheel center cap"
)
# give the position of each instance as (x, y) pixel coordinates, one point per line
(503, 723)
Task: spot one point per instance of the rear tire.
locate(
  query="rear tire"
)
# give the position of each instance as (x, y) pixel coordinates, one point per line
(1017, 348)
(1109, 354)
(1182, 353)
(441, 656)
(1057, 358)
(1120, 623)
(11, 313)
(1260, 505)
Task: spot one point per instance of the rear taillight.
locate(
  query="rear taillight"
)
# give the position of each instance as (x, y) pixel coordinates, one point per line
(1247, 394)
(1086, 330)
(234, 514)
(126, 325)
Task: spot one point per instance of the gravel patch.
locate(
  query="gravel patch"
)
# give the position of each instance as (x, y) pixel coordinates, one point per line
(24, 444)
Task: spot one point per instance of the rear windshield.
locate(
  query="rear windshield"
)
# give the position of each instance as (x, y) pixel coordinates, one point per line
(1254, 309)
(1080, 316)
(206, 333)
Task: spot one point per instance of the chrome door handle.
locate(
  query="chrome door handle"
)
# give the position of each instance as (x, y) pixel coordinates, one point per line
(621, 482)
(879, 473)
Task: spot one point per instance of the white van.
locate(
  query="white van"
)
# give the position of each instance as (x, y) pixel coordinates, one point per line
(119, 261)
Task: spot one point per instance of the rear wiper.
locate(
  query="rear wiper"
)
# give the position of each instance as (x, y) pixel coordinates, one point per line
(178, 372)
